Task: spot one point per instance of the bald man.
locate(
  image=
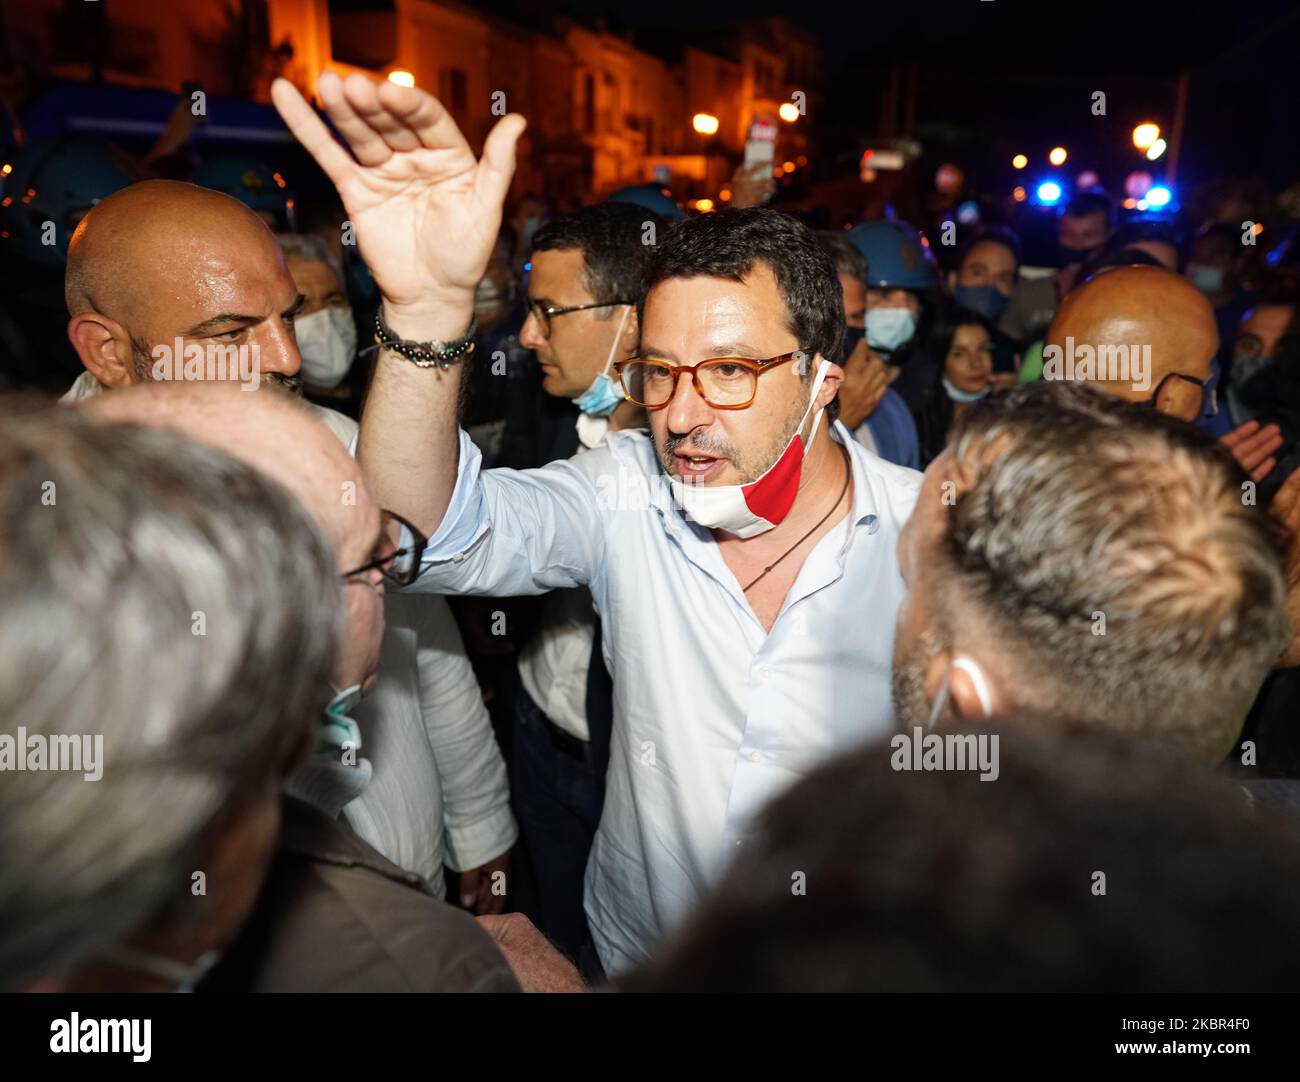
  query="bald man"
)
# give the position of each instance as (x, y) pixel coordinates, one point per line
(302, 935)
(1148, 336)
(163, 267)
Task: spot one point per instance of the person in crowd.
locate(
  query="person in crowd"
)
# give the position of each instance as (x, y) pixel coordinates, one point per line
(335, 914)
(984, 282)
(170, 617)
(986, 275)
(901, 301)
(1085, 226)
(965, 341)
(323, 327)
(588, 272)
(721, 549)
(434, 787)
(1090, 865)
(1215, 268)
(872, 410)
(1158, 239)
(1152, 339)
(1087, 559)
(1266, 334)
(501, 378)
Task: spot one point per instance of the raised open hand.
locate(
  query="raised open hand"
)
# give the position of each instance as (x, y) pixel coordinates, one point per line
(426, 213)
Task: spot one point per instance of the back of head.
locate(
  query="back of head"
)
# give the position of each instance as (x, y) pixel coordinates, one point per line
(1087, 865)
(616, 240)
(168, 623)
(1103, 556)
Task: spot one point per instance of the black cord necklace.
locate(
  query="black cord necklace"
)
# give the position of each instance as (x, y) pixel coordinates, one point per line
(848, 475)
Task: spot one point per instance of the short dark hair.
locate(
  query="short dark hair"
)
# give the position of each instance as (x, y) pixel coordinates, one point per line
(1086, 204)
(615, 251)
(729, 243)
(993, 235)
(933, 880)
(845, 255)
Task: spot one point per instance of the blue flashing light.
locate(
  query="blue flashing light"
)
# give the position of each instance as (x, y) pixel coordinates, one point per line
(1159, 196)
(1049, 193)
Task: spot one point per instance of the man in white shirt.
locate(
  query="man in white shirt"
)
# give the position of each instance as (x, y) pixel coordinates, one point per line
(749, 637)
(160, 267)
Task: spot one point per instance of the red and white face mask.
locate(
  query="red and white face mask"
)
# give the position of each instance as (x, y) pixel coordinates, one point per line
(752, 509)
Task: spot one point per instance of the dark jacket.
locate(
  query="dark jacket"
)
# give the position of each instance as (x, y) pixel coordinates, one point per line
(335, 916)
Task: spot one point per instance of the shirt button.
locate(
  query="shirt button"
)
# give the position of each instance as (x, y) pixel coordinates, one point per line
(739, 843)
(765, 671)
(755, 756)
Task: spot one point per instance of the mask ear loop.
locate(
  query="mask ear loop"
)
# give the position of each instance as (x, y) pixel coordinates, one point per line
(977, 678)
(618, 337)
(818, 380)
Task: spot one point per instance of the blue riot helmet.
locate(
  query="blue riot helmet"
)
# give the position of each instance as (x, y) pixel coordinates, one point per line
(48, 187)
(254, 183)
(652, 197)
(897, 256)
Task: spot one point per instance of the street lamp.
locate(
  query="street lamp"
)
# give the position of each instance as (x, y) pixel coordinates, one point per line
(1019, 161)
(1057, 156)
(705, 123)
(1145, 134)
(789, 112)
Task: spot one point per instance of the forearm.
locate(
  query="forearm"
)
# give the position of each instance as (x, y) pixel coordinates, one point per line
(408, 445)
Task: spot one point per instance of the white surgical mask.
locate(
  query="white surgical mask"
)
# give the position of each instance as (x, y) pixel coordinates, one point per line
(327, 340)
(889, 328)
(755, 508)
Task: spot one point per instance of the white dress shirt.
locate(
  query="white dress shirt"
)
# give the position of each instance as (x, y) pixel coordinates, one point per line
(713, 716)
(554, 664)
(438, 791)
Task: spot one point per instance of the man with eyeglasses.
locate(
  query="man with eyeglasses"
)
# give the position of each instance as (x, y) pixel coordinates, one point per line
(741, 555)
(1133, 308)
(335, 914)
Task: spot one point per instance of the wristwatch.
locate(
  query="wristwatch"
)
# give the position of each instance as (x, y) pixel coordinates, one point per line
(425, 354)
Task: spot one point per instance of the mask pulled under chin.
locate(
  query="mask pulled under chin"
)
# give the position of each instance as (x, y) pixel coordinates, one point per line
(752, 509)
(603, 396)
(958, 395)
(334, 774)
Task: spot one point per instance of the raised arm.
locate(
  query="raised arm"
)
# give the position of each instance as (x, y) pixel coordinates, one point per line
(426, 215)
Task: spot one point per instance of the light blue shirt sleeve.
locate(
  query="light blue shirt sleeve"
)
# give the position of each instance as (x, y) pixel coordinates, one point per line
(512, 532)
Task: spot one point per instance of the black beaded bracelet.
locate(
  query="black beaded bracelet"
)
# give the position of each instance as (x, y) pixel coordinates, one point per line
(424, 354)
